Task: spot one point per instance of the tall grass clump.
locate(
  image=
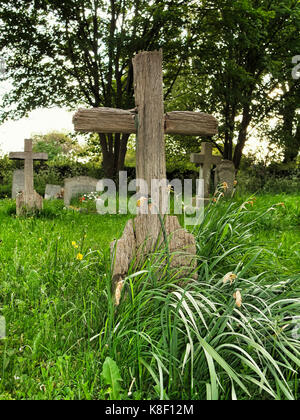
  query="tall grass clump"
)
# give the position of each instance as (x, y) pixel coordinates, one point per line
(231, 332)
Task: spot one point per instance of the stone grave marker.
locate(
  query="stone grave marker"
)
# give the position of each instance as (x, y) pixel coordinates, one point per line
(225, 172)
(150, 124)
(78, 185)
(205, 160)
(28, 200)
(18, 183)
(53, 191)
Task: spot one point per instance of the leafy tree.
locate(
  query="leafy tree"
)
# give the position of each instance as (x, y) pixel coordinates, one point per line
(56, 144)
(287, 131)
(79, 53)
(239, 51)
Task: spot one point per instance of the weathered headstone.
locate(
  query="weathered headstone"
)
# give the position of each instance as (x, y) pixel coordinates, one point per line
(78, 185)
(206, 160)
(28, 200)
(225, 173)
(18, 183)
(52, 191)
(150, 124)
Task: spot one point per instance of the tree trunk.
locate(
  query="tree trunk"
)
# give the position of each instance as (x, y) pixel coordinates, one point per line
(123, 150)
(114, 152)
(291, 140)
(292, 147)
(242, 138)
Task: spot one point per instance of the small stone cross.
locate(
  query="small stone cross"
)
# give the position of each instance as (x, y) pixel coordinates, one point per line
(30, 199)
(206, 160)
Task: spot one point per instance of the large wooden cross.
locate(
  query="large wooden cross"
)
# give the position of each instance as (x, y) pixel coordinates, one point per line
(150, 123)
(206, 160)
(30, 198)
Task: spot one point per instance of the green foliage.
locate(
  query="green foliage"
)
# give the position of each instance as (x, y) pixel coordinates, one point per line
(232, 59)
(275, 178)
(240, 66)
(74, 53)
(50, 172)
(111, 376)
(168, 338)
(5, 191)
(55, 144)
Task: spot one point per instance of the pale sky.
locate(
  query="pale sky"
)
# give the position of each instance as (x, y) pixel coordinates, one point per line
(40, 121)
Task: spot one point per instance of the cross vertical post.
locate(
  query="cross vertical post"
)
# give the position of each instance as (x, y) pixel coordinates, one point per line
(150, 124)
(28, 168)
(150, 150)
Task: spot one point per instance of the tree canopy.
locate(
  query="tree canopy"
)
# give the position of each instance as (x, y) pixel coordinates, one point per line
(55, 144)
(241, 66)
(232, 59)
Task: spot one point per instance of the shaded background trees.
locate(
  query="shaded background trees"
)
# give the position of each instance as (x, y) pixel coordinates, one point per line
(232, 59)
(241, 65)
(72, 53)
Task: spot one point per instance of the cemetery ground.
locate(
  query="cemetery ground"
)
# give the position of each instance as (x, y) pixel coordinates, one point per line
(193, 339)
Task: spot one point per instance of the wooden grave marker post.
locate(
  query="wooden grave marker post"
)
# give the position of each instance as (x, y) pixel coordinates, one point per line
(28, 200)
(150, 124)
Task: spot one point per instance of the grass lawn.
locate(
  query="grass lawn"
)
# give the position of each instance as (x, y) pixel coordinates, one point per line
(164, 340)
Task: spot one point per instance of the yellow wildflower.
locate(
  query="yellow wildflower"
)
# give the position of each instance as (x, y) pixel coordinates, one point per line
(74, 244)
(79, 257)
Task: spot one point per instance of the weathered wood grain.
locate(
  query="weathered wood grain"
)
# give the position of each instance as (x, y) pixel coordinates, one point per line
(111, 120)
(190, 123)
(104, 120)
(148, 89)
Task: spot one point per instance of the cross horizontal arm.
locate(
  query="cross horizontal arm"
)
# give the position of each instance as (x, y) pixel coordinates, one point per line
(190, 123)
(28, 155)
(111, 120)
(199, 159)
(104, 120)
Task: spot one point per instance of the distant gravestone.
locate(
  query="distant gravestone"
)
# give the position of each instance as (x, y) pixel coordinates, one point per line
(225, 172)
(18, 183)
(78, 185)
(52, 191)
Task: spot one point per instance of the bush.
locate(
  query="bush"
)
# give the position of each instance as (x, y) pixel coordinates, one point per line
(5, 191)
(275, 178)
